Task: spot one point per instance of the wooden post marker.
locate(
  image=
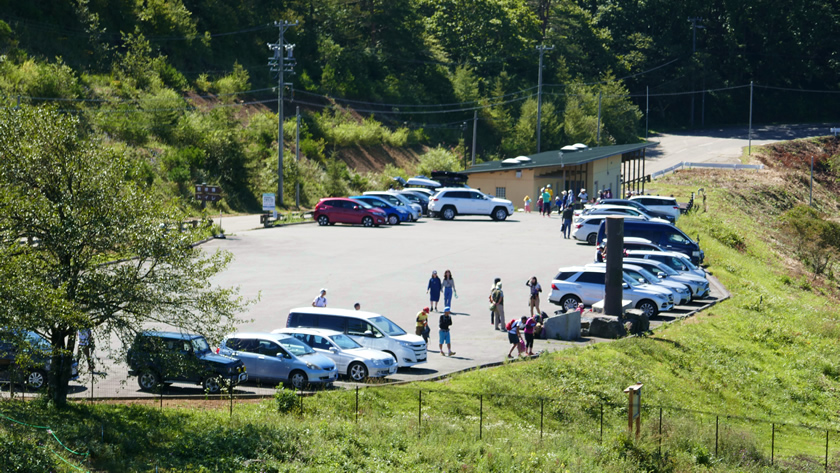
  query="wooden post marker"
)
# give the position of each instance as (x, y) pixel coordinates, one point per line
(634, 408)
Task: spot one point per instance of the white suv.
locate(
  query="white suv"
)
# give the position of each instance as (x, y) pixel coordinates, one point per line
(582, 284)
(449, 202)
(667, 205)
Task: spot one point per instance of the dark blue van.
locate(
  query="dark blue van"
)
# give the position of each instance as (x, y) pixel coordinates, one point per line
(667, 236)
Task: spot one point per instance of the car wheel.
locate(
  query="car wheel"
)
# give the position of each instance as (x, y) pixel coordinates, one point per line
(357, 371)
(36, 379)
(591, 238)
(393, 220)
(569, 303)
(298, 379)
(212, 384)
(647, 307)
(367, 221)
(499, 214)
(323, 220)
(448, 213)
(148, 380)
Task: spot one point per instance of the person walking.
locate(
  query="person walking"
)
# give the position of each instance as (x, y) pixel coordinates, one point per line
(530, 324)
(515, 335)
(444, 324)
(536, 289)
(448, 288)
(540, 200)
(321, 300)
(421, 329)
(490, 298)
(583, 197)
(527, 204)
(568, 213)
(546, 198)
(433, 290)
(498, 298)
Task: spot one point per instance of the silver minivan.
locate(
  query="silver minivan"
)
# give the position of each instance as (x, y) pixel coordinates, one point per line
(369, 329)
(274, 357)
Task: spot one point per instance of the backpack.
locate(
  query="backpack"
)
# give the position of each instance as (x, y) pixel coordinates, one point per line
(509, 325)
(496, 295)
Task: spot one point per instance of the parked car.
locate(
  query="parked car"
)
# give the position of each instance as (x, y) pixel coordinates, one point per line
(30, 355)
(330, 211)
(280, 358)
(399, 201)
(680, 292)
(666, 205)
(677, 261)
(699, 286)
(393, 215)
(369, 329)
(353, 360)
(585, 227)
(419, 198)
(638, 205)
(630, 243)
(419, 190)
(607, 209)
(447, 203)
(667, 237)
(580, 284)
(169, 357)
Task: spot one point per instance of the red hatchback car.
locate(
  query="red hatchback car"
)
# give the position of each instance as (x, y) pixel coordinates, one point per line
(334, 210)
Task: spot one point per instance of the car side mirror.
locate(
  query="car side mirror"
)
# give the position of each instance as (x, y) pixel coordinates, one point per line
(334, 350)
(625, 285)
(369, 334)
(662, 275)
(641, 280)
(355, 207)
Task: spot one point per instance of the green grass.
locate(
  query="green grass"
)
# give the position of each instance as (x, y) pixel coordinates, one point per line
(765, 358)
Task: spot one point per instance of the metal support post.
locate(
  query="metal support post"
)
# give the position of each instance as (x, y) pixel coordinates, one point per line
(480, 416)
(749, 146)
(297, 157)
(598, 131)
(773, 445)
(717, 425)
(419, 410)
(542, 403)
(357, 404)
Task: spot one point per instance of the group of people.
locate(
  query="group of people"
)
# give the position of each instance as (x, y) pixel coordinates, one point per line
(525, 327)
(562, 201)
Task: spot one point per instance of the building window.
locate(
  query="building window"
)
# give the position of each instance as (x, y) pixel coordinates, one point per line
(500, 192)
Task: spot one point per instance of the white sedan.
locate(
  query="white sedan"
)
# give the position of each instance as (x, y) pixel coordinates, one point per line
(352, 359)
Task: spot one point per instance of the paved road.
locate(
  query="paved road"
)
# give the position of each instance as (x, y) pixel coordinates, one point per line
(386, 269)
(720, 145)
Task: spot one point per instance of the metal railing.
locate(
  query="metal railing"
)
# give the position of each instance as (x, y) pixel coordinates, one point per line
(689, 165)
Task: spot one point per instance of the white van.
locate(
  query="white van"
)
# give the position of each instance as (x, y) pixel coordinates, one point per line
(370, 330)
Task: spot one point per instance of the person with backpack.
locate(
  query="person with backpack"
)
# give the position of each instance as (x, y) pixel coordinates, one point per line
(490, 299)
(530, 325)
(497, 298)
(444, 324)
(514, 332)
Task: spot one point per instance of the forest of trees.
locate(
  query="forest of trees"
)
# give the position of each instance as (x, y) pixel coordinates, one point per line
(185, 84)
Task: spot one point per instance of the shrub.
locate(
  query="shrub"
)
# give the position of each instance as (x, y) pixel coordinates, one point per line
(286, 399)
(439, 159)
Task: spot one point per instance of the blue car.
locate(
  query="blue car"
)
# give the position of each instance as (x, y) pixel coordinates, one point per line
(394, 215)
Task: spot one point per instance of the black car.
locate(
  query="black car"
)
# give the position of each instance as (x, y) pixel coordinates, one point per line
(167, 357)
(29, 354)
(638, 205)
(417, 198)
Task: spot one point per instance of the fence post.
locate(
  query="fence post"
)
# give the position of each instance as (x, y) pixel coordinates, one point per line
(480, 415)
(826, 450)
(357, 404)
(230, 395)
(601, 438)
(717, 419)
(542, 401)
(773, 444)
(660, 431)
(419, 410)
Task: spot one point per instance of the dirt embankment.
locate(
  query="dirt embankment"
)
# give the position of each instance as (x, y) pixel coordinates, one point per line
(375, 158)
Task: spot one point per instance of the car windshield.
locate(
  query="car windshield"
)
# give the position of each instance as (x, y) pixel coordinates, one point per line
(344, 342)
(664, 268)
(637, 275)
(199, 344)
(688, 264)
(647, 274)
(295, 346)
(402, 199)
(632, 282)
(386, 326)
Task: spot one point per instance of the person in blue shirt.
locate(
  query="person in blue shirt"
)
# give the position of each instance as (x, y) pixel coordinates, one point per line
(433, 290)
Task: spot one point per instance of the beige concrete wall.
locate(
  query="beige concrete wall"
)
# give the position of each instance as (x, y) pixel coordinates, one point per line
(516, 188)
(604, 174)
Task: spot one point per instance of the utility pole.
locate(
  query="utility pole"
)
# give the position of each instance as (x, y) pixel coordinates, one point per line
(475, 128)
(297, 157)
(464, 137)
(598, 131)
(542, 49)
(278, 63)
(694, 26)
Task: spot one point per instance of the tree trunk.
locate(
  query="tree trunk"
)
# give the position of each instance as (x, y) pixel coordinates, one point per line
(58, 377)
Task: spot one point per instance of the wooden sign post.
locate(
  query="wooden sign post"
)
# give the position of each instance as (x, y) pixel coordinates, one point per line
(634, 408)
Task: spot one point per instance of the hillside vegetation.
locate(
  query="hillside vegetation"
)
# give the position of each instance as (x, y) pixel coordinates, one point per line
(768, 355)
(184, 86)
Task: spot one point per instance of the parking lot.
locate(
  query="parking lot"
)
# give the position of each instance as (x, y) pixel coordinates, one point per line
(386, 270)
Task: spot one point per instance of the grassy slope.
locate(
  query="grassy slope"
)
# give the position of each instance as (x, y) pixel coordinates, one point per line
(767, 353)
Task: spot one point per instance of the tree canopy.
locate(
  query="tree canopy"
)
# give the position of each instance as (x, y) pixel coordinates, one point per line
(84, 243)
